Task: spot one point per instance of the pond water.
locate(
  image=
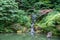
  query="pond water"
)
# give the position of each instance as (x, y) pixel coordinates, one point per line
(24, 37)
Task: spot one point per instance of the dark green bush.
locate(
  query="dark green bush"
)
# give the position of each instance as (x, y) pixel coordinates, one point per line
(8, 13)
(23, 18)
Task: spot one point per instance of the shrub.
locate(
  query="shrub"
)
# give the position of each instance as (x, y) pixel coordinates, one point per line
(8, 13)
(50, 21)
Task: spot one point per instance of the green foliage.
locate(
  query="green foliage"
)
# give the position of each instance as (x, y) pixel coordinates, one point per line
(8, 13)
(23, 19)
(50, 18)
(26, 4)
(18, 11)
(50, 21)
(38, 4)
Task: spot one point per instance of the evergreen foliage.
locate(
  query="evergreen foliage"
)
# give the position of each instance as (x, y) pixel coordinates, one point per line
(19, 11)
